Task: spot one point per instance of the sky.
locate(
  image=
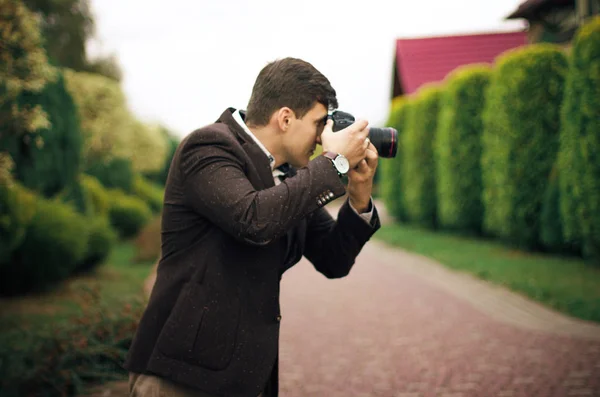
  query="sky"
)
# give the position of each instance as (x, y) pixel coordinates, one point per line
(185, 61)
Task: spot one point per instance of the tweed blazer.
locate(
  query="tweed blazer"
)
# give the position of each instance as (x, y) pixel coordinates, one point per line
(228, 235)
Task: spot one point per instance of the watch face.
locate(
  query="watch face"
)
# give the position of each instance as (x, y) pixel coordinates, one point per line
(341, 163)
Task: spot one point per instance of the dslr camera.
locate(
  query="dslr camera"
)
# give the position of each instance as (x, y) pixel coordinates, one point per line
(384, 139)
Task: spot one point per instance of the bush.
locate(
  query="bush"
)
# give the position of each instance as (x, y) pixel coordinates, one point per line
(48, 160)
(520, 140)
(105, 119)
(551, 225)
(101, 240)
(98, 196)
(116, 173)
(160, 176)
(579, 160)
(127, 214)
(110, 129)
(54, 243)
(458, 149)
(24, 68)
(62, 361)
(17, 209)
(391, 169)
(149, 192)
(418, 167)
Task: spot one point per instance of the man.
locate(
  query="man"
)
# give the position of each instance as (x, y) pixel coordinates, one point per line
(243, 203)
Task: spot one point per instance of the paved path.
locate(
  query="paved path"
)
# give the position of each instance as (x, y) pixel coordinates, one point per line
(401, 325)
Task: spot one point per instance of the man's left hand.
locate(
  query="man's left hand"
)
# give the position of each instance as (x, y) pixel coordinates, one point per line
(360, 180)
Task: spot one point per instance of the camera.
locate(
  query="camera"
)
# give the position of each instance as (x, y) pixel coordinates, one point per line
(384, 139)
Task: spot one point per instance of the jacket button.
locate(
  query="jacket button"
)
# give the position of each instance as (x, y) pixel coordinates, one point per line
(278, 318)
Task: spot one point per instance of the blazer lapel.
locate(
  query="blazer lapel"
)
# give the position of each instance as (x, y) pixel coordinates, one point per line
(259, 160)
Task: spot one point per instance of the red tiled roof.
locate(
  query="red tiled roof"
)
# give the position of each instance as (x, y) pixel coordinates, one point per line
(425, 60)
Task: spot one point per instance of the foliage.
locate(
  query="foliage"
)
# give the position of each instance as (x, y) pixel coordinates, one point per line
(101, 240)
(160, 176)
(54, 243)
(105, 119)
(47, 160)
(67, 26)
(418, 167)
(458, 149)
(115, 173)
(109, 128)
(24, 68)
(520, 140)
(579, 157)
(98, 196)
(149, 192)
(148, 148)
(61, 360)
(392, 187)
(127, 214)
(17, 209)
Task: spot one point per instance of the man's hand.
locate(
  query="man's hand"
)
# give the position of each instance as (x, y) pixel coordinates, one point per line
(350, 142)
(360, 180)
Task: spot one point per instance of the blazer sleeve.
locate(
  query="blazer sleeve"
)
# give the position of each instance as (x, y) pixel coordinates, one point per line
(332, 246)
(215, 185)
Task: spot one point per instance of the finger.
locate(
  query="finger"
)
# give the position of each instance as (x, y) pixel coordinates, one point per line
(371, 158)
(372, 148)
(328, 126)
(367, 143)
(362, 166)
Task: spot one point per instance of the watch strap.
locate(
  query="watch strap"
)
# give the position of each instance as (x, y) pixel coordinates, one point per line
(332, 156)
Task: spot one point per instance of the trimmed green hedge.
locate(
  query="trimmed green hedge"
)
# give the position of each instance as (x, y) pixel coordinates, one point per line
(98, 196)
(127, 214)
(458, 149)
(149, 192)
(47, 160)
(520, 140)
(579, 157)
(17, 209)
(116, 173)
(55, 242)
(391, 169)
(418, 166)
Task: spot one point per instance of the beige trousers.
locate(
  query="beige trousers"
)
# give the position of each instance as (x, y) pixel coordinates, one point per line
(141, 385)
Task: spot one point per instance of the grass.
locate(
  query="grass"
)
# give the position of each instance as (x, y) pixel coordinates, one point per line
(566, 284)
(114, 284)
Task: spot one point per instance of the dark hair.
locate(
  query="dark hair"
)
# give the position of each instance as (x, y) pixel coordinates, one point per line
(288, 82)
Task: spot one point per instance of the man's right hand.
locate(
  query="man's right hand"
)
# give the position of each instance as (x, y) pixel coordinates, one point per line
(351, 141)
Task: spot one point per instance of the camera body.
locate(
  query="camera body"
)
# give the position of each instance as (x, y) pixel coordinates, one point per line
(384, 139)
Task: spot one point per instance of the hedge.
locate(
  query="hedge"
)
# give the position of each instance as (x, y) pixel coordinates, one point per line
(127, 214)
(458, 149)
(55, 242)
(391, 181)
(520, 140)
(580, 143)
(418, 167)
(49, 159)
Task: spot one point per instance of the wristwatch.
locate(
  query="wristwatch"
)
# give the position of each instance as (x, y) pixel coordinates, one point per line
(340, 162)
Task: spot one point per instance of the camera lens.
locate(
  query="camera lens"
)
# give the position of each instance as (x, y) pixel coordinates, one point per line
(385, 141)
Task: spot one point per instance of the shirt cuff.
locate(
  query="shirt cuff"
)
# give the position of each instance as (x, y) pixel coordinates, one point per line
(367, 216)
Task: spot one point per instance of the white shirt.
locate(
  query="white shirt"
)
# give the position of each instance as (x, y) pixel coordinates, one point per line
(276, 173)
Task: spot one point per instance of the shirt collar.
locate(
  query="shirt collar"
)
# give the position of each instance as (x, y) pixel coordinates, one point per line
(237, 116)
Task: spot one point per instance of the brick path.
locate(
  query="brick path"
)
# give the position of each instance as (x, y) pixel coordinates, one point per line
(401, 325)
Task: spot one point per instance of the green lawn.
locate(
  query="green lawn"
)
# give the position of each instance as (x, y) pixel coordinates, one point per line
(565, 284)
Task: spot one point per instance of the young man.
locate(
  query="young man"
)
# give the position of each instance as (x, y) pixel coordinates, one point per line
(244, 203)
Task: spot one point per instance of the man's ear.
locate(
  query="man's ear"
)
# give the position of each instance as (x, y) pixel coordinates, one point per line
(284, 117)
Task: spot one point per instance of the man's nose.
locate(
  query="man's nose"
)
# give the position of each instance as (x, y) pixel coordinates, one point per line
(319, 139)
